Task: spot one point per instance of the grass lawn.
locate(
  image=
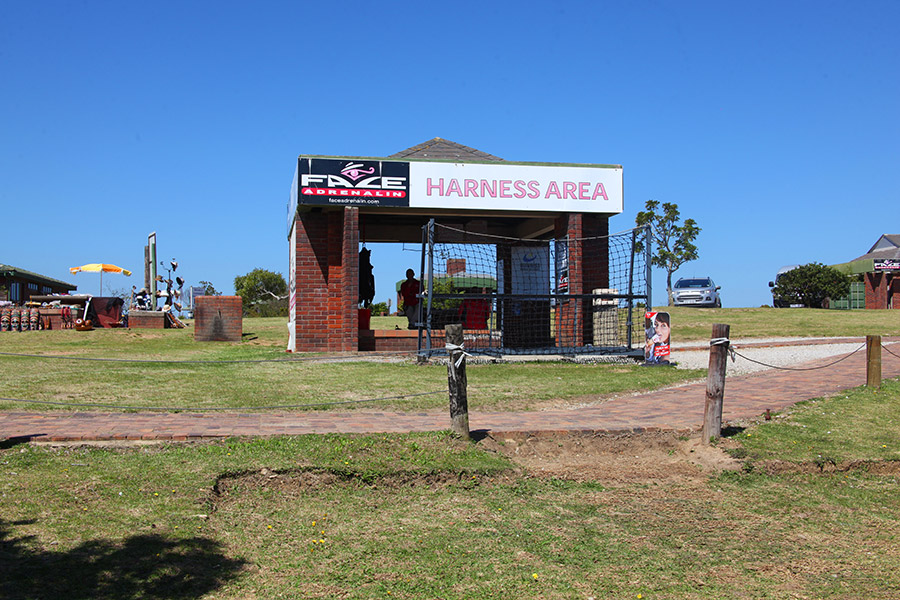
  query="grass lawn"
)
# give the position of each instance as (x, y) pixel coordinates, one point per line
(812, 512)
(692, 323)
(307, 382)
(312, 382)
(429, 516)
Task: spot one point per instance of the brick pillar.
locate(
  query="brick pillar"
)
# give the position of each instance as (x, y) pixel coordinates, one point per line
(588, 270)
(876, 291)
(218, 318)
(327, 281)
(343, 280)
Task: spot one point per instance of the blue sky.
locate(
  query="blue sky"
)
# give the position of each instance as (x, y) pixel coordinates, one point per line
(773, 124)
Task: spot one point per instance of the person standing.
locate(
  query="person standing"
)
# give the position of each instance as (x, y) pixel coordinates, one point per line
(409, 292)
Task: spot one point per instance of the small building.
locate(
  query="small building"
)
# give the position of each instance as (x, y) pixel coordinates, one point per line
(879, 270)
(471, 198)
(18, 285)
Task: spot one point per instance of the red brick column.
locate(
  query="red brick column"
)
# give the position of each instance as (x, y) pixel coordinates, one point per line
(876, 291)
(327, 280)
(588, 270)
(218, 319)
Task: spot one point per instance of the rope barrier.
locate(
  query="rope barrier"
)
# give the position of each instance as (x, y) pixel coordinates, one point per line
(885, 348)
(800, 368)
(215, 408)
(451, 348)
(721, 341)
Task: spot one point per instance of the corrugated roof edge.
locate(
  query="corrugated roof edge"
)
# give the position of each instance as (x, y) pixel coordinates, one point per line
(11, 271)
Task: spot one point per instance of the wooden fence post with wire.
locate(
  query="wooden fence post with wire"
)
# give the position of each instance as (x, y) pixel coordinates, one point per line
(456, 379)
(873, 361)
(715, 382)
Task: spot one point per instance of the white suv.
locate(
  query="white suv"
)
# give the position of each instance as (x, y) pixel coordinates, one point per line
(696, 291)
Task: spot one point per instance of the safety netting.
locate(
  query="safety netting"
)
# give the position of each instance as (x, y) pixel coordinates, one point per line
(534, 296)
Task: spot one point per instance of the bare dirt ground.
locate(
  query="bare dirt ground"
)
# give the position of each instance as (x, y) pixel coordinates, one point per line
(621, 458)
(636, 458)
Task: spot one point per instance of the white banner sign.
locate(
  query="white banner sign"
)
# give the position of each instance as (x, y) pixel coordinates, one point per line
(469, 186)
(516, 187)
(530, 270)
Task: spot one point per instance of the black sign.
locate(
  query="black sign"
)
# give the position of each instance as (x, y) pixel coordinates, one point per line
(887, 264)
(349, 182)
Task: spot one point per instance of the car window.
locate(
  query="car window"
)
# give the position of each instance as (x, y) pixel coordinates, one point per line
(693, 283)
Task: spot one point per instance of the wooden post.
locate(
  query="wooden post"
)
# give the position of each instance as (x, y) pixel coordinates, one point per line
(873, 361)
(715, 382)
(456, 378)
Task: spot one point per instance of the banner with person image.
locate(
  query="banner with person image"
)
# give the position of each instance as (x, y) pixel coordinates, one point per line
(658, 329)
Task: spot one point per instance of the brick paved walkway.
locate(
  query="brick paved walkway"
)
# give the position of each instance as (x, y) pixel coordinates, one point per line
(675, 409)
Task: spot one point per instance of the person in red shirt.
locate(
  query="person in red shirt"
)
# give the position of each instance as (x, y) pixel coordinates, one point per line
(409, 292)
(474, 312)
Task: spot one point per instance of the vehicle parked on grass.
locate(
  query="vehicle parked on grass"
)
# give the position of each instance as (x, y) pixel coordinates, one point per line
(696, 291)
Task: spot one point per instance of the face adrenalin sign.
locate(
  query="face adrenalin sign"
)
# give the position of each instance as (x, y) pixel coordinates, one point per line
(352, 182)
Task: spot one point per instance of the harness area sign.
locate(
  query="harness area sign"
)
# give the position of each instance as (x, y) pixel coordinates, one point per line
(447, 185)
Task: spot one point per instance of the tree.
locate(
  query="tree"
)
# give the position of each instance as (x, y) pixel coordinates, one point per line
(674, 243)
(380, 307)
(811, 284)
(209, 289)
(263, 293)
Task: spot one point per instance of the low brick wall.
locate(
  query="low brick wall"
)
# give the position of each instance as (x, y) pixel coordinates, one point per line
(52, 317)
(388, 340)
(218, 319)
(146, 319)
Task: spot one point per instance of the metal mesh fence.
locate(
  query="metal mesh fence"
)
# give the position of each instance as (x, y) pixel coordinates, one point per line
(535, 296)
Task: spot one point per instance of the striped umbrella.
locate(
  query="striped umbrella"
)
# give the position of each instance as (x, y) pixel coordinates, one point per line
(100, 268)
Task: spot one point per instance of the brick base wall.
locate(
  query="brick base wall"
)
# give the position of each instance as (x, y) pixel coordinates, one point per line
(218, 319)
(146, 319)
(389, 340)
(52, 317)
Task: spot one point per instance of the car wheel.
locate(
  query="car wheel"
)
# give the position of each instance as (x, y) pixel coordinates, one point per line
(718, 303)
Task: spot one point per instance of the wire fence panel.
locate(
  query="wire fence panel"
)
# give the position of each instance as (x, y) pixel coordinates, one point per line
(535, 296)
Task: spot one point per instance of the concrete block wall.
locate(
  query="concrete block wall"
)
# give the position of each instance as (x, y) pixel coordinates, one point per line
(218, 319)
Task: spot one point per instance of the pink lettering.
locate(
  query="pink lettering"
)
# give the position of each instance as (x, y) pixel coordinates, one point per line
(488, 188)
(534, 189)
(520, 189)
(569, 190)
(504, 188)
(600, 191)
(552, 189)
(453, 188)
(471, 188)
(583, 192)
(431, 187)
